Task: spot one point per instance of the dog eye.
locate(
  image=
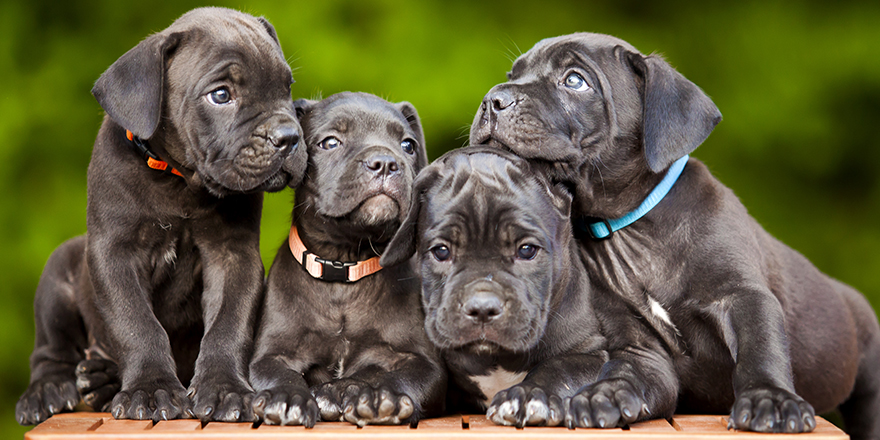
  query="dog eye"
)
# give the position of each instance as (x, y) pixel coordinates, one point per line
(441, 253)
(576, 82)
(526, 252)
(220, 96)
(408, 146)
(330, 143)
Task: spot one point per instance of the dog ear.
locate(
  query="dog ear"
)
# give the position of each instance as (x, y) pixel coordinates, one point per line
(302, 107)
(403, 245)
(412, 117)
(270, 29)
(677, 115)
(561, 198)
(131, 90)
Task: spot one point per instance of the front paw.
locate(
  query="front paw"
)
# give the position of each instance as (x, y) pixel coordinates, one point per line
(44, 398)
(771, 410)
(523, 404)
(157, 400)
(606, 404)
(97, 381)
(222, 401)
(359, 403)
(286, 406)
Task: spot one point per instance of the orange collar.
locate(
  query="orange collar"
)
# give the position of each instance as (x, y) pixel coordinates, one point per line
(153, 161)
(329, 270)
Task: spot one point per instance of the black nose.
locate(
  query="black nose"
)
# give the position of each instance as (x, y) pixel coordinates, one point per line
(284, 136)
(382, 164)
(483, 307)
(499, 100)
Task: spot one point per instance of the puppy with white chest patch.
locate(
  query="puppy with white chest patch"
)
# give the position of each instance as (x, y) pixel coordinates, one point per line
(506, 297)
(333, 319)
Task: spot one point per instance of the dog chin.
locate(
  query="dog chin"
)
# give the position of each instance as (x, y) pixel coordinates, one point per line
(378, 210)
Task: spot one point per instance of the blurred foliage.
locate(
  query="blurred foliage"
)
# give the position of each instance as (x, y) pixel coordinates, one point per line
(798, 84)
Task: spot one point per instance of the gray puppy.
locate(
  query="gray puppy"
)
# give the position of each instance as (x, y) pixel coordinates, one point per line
(333, 319)
(747, 324)
(506, 297)
(167, 281)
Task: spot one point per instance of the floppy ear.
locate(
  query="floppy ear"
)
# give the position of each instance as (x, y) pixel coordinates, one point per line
(403, 245)
(270, 29)
(677, 115)
(131, 89)
(302, 107)
(561, 198)
(412, 117)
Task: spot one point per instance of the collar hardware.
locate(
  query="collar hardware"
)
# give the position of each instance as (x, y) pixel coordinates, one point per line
(604, 228)
(153, 161)
(330, 270)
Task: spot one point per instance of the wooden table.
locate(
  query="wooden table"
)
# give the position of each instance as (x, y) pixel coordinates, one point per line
(101, 426)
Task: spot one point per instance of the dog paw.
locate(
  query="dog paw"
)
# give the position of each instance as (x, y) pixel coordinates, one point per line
(222, 401)
(606, 404)
(46, 397)
(526, 405)
(97, 381)
(362, 404)
(286, 406)
(155, 401)
(771, 410)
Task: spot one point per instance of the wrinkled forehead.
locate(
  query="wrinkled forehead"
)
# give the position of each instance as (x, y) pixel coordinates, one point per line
(356, 113)
(551, 54)
(488, 192)
(231, 34)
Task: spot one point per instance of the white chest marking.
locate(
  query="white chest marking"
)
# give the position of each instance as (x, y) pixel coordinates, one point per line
(497, 380)
(658, 311)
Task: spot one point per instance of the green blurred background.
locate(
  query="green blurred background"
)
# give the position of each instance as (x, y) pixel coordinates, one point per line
(798, 84)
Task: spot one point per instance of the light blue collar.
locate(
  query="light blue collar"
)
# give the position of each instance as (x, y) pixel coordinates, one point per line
(604, 228)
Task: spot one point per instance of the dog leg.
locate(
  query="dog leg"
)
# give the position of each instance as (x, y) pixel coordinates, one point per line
(635, 384)
(861, 411)
(283, 397)
(375, 396)
(60, 338)
(97, 381)
(763, 384)
(541, 398)
(233, 287)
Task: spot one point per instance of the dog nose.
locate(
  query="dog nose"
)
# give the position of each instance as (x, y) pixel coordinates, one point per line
(382, 164)
(483, 306)
(284, 136)
(500, 100)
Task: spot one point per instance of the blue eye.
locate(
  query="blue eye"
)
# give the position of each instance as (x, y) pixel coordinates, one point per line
(441, 253)
(576, 82)
(408, 146)
(220, 96)
(526, 252)
(330, 143)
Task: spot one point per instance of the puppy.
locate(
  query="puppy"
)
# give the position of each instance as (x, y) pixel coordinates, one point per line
(166, 283)
(333, 319)
(506, 298)
(749, 325)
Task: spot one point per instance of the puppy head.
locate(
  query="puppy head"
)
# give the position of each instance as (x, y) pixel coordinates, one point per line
(212, 94)
(595, 113)
(493, 242)
(364, 153)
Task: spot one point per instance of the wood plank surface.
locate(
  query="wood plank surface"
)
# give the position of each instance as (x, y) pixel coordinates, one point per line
(101, 426)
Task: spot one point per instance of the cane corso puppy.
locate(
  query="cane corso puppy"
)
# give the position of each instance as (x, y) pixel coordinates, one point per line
(340, 336)
(749, 325)
(167, 281)
(506, 298)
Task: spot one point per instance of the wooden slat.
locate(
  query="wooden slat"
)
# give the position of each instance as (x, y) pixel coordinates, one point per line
(100, 426)
(186, 426)
(114, 426)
